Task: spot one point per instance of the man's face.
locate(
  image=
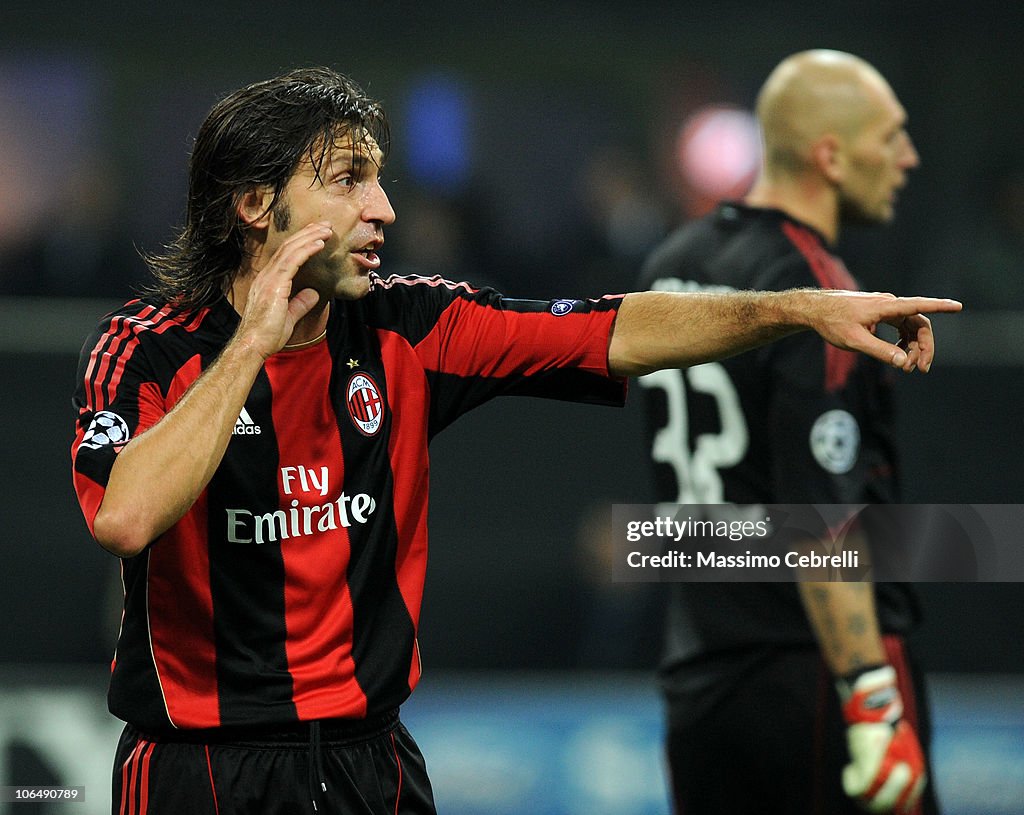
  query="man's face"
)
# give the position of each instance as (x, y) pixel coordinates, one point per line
(349, 196)
(878, 158)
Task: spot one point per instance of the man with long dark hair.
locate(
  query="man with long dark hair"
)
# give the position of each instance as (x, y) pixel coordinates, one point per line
(252, 442)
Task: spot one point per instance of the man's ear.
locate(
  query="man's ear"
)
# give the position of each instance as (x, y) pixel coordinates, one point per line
(253, 206)
(829, 158)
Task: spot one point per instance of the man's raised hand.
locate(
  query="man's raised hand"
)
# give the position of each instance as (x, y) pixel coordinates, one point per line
(271, 310)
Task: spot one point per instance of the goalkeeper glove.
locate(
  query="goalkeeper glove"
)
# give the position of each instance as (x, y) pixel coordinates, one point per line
(886, 769)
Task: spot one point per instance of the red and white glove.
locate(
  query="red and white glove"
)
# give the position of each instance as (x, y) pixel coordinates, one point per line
(886, 769)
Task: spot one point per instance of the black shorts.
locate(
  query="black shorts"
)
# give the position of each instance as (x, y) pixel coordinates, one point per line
(777, 745)
(328, 768)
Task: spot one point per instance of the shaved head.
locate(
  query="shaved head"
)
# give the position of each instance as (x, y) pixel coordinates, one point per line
(811, 94)
(836, 147)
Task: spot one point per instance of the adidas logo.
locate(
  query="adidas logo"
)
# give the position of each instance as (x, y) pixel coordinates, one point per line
(245, 426)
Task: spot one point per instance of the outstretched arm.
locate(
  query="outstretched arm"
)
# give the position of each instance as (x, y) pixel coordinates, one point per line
(656, 330)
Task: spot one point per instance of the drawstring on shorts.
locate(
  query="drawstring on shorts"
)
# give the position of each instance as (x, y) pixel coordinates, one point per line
(316, 765)
(338, 732)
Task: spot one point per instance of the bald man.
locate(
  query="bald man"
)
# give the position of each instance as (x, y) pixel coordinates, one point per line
(790, 698)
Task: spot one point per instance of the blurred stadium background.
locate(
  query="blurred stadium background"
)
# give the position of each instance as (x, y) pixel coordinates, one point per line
(541, 148)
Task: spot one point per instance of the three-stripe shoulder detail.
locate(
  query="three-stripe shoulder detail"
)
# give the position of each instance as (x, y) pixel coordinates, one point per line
(120, 340)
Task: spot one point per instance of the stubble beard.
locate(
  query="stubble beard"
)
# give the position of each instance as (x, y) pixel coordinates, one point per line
(852, 213)
(329, 277)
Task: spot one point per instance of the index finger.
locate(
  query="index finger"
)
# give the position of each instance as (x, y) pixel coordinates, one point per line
(905, 306)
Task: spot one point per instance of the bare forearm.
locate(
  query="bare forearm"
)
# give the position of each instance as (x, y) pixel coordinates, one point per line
(845, 624)
(655, 330)
(161, 473)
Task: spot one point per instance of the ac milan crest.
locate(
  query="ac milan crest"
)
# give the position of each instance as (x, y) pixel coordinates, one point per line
(365, 404)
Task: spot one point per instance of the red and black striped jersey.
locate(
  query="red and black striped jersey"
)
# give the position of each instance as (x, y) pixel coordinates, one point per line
(291, 589)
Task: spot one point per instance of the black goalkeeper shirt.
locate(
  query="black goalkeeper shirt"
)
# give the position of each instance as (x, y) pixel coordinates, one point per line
(797, 421)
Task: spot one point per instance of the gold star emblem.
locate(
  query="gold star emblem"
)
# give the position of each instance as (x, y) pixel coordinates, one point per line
(352, 363)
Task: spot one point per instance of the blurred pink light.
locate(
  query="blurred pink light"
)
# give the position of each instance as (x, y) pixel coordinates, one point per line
(718, 151)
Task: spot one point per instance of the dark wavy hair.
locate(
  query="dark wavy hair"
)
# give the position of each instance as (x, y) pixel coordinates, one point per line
(256, 136)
